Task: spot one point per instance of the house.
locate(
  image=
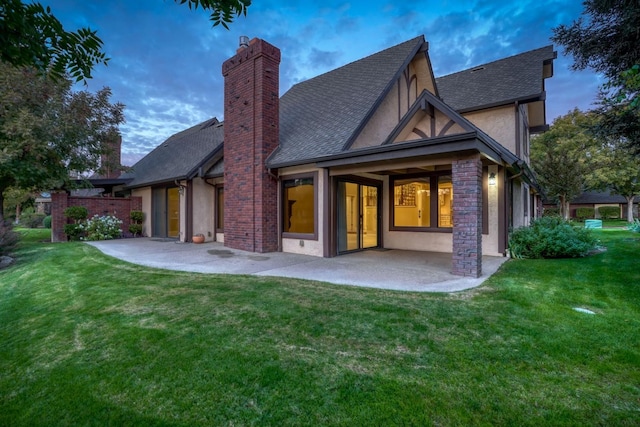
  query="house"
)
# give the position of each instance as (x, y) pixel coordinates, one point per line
(375, 154)
(595, 200)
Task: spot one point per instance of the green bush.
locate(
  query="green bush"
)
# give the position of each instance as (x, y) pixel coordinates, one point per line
(30, 219)
(551, 237)
(552, 212)
(135, 229)
(76, 213)
(136, 216)
(105, 227)
(8, 238)
(634, 226)
(73, 231)
(585, 213)
(46, 222)
(609, 212)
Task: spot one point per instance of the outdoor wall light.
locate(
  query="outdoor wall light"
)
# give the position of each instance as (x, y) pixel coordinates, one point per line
(492, 178)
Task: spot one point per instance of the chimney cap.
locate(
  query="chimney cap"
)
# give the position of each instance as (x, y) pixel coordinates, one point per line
(244, 41)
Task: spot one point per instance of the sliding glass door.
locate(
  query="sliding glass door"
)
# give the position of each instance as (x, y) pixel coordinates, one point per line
(358, 219)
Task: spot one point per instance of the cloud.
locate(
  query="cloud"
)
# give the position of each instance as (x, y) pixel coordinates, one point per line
(166, 59)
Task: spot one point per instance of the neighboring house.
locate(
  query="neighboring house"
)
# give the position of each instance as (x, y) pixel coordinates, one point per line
(596, 199)
(375, 154)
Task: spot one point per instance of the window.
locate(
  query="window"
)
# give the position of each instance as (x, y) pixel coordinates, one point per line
(220, 208)
(299, 210)
(422, 202)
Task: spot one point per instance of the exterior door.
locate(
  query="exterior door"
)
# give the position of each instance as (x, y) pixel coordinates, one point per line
(173, 212)
(358, 220)
(166, 212)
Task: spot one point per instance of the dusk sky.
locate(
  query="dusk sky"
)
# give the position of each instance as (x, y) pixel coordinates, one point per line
(166, 60)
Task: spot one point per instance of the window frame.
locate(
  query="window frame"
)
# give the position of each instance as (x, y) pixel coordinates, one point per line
(434, 204)
(303, 236)
(219, 207)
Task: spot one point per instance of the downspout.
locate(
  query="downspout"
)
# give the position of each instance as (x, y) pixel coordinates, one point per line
(519, 174)
(278, 207)
(185, 190)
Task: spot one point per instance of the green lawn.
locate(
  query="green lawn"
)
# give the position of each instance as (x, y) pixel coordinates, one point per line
(89, 340)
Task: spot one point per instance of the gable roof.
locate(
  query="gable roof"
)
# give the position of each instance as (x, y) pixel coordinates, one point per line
(180, 156)
(493, 148)
(516, 78)
(320, 116)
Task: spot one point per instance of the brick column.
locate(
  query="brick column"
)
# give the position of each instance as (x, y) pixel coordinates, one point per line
(59, 202)
(467, 216)
(251, 134)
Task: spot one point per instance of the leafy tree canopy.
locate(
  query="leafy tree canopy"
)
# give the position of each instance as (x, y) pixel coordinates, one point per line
(606, 39)
(47, 130)
(222, 11)
(30, 35)
(560, 157)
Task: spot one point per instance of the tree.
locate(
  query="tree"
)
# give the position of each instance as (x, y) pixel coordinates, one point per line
(606, 39)
(47, 130)
(222, 11)
(30, 35)
(617, 169)
(561, 157)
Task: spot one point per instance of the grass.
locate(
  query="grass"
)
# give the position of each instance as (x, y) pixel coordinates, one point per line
(89, 340)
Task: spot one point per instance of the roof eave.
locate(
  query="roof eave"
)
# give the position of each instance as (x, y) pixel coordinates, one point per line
(542, 96)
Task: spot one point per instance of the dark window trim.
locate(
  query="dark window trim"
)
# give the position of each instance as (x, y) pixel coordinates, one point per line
(302, 236)
(216, 218)
(433, 180)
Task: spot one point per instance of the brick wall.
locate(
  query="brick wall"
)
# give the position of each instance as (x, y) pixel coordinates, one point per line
(467, 216)
(251, 134)
(115, 206)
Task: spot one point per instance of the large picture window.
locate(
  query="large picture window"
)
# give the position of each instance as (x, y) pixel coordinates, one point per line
(422, 202)
(299, 205)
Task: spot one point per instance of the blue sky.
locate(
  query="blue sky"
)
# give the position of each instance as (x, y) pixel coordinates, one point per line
(166, 60)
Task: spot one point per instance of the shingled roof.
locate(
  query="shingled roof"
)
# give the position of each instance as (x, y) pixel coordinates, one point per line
(516, 78)
(180, 156)
(319, 117)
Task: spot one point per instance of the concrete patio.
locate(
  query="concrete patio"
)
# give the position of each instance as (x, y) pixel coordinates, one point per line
(382, 268)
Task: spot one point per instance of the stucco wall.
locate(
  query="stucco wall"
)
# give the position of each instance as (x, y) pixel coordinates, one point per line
(145, 195)
(498, 123)
(203, 213)
(490, 239)
(382, 123)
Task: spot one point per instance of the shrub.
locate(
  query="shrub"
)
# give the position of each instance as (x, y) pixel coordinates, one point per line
(136, 216)
(634, 226)
(8, 238)
(551, 238)
(609, 212)
(46, 222)
(552, 212)
(76, 213)
(585, 213)
(73, 231)
(31, 219)
(135, 229)
(104, 227)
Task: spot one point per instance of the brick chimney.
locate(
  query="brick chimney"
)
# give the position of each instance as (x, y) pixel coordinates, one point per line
(110, 160)
(251, 134)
